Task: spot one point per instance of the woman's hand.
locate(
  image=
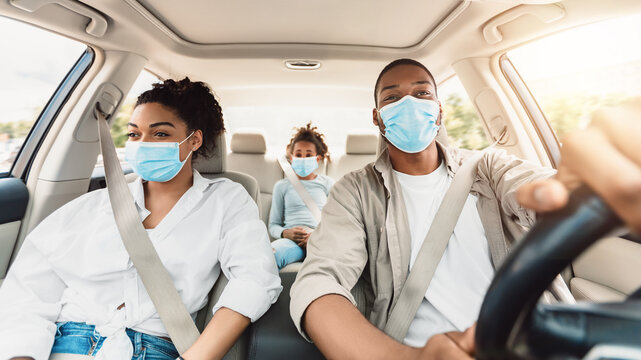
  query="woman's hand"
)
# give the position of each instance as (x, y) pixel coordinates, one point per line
(451, 345)
(607, 157)
(297, 233)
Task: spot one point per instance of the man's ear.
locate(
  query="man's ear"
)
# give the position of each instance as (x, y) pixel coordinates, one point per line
(375, 117)
(440, 114)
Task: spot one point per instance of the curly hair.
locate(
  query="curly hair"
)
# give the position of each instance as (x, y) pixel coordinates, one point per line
(194, 103)
(310, 133)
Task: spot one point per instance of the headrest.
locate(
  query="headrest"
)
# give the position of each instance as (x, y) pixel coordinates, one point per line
(248, 143)
(215, 163)
(441, 137)
(361, 144)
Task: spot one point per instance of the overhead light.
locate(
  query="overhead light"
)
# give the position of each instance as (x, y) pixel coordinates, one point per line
(302, 64)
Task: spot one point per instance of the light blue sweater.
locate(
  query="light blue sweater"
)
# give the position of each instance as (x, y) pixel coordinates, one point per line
(288, 209)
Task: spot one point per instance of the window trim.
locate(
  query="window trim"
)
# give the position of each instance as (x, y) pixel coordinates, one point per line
(542, 126)
(23, 161)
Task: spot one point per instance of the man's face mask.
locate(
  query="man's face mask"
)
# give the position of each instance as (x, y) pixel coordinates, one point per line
(155, 161)
(304, 166)
(410, 123)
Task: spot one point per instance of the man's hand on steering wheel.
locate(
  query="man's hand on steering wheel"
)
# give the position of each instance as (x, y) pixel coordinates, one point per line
(607, 157)
(453, 345)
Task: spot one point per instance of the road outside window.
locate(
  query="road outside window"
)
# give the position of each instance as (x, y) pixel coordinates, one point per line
(575, 72)
(32, 65)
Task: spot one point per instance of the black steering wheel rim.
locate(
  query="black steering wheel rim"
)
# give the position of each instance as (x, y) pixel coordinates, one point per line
(548, 248)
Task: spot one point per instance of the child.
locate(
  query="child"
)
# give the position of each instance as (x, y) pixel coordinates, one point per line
(290, 221)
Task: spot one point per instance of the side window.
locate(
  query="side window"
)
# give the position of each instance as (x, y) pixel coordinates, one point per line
(119, 127)
(460, 117)
(32, 66)
(575, 72)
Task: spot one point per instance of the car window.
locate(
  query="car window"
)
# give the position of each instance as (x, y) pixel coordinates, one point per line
(577, 71)
(282, 121)
(463, 124)
(32, 66)
(119, 126)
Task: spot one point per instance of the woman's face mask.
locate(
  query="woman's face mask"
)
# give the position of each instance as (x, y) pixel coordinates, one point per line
(155, 161)
(410, 123)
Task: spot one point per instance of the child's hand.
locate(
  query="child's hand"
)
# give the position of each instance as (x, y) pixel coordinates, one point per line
(297, 233)
(303, 243)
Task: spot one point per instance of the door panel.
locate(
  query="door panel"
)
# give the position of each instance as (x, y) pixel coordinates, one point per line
(14, 198)
(587, 290)
(609, 271)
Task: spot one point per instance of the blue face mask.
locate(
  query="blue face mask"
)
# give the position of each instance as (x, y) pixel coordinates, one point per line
(410, 123)
(304, 166)
(155, 161)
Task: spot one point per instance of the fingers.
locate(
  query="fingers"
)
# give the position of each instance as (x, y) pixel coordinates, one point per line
(622, 126)
(606, 157)
(542, 196)
(464, 340)
(297, 233)
(442, 346)
(608, 171)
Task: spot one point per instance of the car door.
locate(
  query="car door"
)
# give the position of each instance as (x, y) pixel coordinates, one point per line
(39, 70)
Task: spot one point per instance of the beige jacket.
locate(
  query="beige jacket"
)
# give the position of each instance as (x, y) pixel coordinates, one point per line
(364, 234)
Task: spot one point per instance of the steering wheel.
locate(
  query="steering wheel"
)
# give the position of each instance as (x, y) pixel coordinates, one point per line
(511, 325)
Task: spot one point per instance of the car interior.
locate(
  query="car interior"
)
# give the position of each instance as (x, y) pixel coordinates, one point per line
(276, 65)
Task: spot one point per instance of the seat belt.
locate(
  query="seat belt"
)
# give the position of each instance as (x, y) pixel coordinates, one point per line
(300, 189)
(155, 278)
(432, 250)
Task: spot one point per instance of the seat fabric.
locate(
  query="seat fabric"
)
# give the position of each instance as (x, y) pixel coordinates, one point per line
(215, 167)
(249, 155)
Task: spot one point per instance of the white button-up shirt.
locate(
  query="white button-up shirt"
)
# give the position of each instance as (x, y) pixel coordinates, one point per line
(74, 267)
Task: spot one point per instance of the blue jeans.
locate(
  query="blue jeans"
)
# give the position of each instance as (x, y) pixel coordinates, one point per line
(80, 338)
(287, 252)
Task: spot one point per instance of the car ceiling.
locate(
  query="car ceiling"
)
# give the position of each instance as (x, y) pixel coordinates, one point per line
(240, 47)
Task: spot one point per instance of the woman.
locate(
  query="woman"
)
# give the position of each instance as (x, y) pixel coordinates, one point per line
(73, 288)
(290, 221)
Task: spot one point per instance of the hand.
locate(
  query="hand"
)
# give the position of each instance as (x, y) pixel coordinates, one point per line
(451, 345)
(303, 243)
(297, 233)
(607, 157)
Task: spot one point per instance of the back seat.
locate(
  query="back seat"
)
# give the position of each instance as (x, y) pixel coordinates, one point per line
(360, 150)
(249, 155)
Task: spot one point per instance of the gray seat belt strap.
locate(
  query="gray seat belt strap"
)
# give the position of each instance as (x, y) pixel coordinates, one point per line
(155, 278)
(300, 189)
(432, 250)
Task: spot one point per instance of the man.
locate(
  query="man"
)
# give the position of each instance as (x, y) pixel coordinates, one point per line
(375, 222)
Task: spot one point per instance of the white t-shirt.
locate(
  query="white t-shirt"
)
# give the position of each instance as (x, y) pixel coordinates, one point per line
(454, 297)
